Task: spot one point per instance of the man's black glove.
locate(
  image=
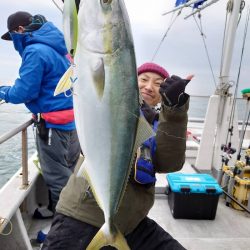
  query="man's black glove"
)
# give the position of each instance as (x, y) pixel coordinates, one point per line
(172, 91)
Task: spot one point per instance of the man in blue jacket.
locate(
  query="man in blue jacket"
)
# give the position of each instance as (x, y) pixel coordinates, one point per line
(42, 49)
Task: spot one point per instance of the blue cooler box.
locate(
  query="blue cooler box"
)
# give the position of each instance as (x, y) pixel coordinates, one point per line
(193, 196)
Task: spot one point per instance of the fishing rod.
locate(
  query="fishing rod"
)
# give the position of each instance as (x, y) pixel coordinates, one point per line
(187, 4)
(201, 8)
(228, 150)
(230, 127)
(227, 147)
(236, 201)
(172, 21)
(239, 165)
(246, 95)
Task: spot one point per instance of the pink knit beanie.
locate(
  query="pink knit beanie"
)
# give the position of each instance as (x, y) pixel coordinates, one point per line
(154, 68)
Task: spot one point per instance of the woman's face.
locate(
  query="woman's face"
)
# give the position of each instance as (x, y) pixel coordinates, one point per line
(149, 85)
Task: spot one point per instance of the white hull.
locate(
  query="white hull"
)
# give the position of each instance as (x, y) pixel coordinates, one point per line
(17, 205)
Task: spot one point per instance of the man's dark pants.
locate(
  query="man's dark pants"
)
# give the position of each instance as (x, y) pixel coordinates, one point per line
(58, 159)
(67, 233)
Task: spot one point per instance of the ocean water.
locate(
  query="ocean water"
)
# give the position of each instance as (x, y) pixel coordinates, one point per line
(198, 107)
(12, 116)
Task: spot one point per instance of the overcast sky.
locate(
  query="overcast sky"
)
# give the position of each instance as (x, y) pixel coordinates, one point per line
(182, 52)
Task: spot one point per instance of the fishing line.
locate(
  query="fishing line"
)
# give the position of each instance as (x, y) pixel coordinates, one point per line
(229, 9)
(173, 136)
(58, 7)
(245, 123)
(165, 133)
(238, 76)
(172, 21)
(242, 6)
(138, 117)
(200, 28)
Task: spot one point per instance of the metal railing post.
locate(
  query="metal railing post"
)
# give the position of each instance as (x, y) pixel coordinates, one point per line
(22, 128)
(25, 180)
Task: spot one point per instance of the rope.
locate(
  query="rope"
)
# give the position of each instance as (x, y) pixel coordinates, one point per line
(172, 21)
(11, 227)
(200, 28)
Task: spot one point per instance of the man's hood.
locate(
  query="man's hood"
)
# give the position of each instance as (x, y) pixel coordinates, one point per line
(48, 34)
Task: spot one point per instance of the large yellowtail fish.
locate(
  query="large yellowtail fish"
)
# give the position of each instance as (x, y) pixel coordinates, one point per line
(106, 105)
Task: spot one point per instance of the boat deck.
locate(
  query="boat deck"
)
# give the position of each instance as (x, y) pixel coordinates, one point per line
(229, 230)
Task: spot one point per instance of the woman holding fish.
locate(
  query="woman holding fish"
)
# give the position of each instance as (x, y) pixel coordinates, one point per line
(124, 141)
(79, 217)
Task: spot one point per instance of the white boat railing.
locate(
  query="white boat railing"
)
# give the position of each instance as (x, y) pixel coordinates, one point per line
(18, 196)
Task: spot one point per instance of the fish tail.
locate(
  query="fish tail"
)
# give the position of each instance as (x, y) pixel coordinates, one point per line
(102, 238)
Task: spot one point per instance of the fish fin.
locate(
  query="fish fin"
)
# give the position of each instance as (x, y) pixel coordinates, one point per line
(70, 26)
(82, 171)
(79, 162)
(140, 99)
(65, 82)
(144, 132)
(98, 73)
(102, 238)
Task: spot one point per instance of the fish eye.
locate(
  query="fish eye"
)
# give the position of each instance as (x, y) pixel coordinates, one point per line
(106, 1)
